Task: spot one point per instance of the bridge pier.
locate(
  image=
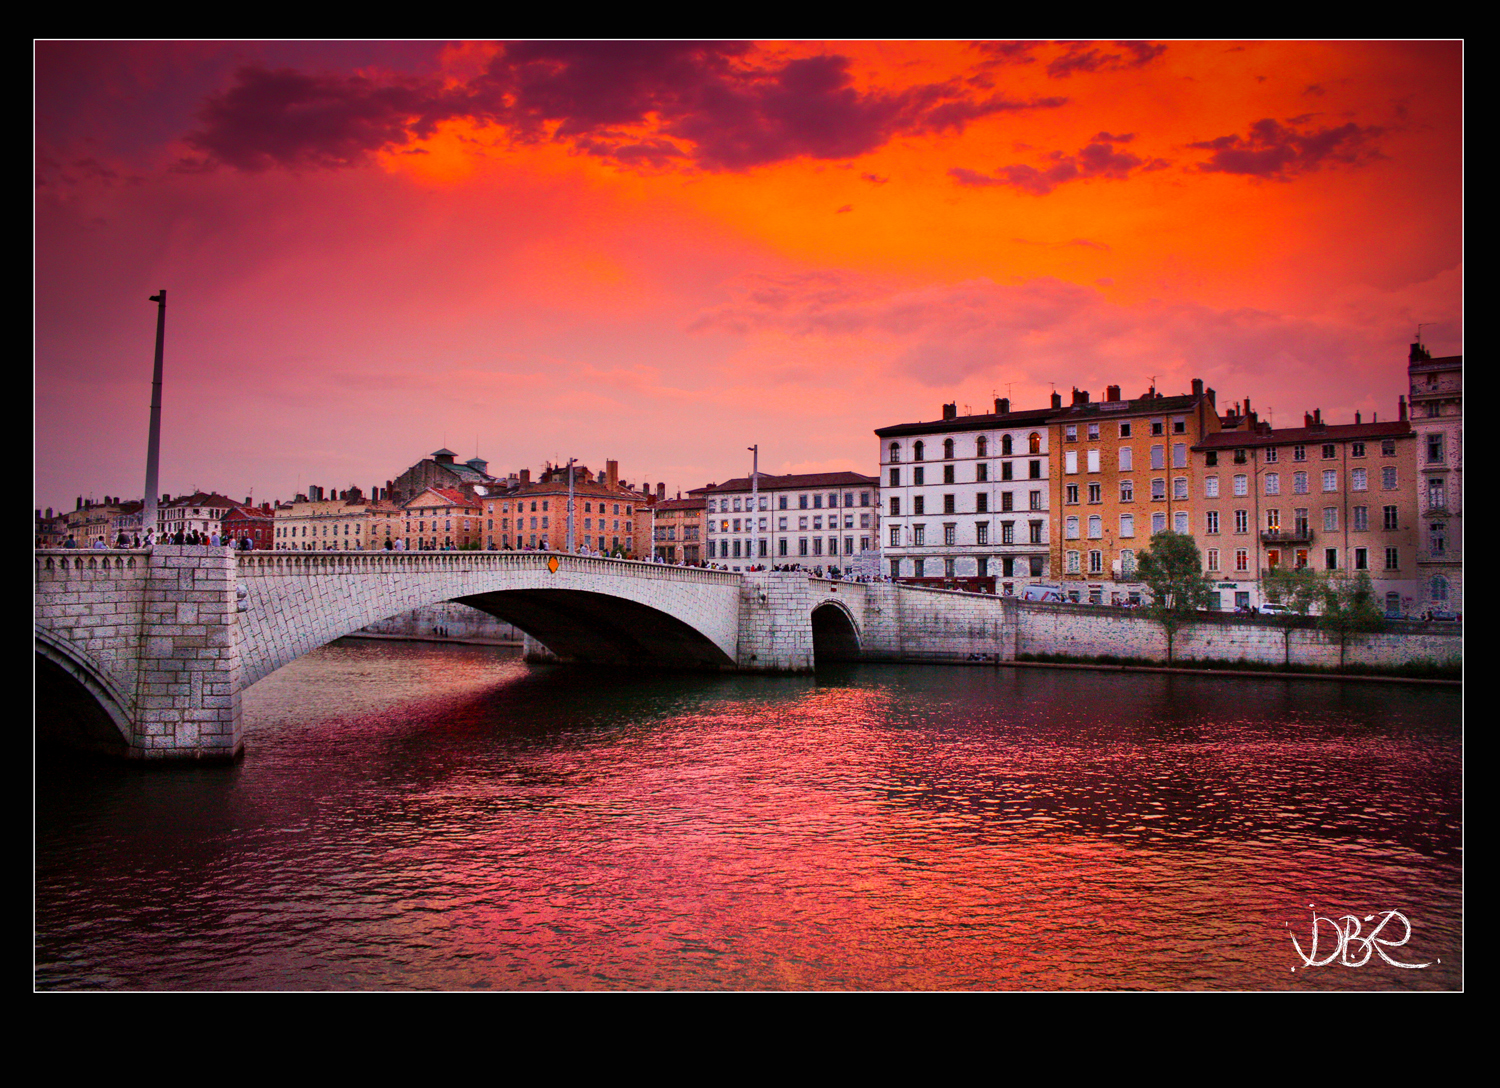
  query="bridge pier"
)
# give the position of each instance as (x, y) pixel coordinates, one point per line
(775, 622)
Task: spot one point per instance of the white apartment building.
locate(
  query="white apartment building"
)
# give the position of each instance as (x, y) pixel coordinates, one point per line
(966, 499)
(821, 519)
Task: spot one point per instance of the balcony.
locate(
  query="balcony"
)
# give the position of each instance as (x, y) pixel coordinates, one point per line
(1287, 536)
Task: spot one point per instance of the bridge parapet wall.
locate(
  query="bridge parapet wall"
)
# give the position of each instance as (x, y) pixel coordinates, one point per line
(916, 623)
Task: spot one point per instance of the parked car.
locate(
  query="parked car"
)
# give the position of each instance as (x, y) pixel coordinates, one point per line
(1438, 616)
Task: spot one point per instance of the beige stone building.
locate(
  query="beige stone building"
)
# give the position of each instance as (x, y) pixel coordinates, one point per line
(1333, 497)
(442, 519)
(678, 528)
(343, 522)
(1437, 417)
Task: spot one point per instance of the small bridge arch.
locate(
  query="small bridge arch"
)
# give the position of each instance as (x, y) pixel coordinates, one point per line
(835, 631)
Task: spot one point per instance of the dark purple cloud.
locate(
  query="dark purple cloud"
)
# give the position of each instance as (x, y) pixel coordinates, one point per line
(1100, 159)
(1280, 152)
(716, 105)
(1089, 57)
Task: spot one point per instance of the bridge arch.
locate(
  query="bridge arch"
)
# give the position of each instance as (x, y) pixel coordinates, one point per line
(583, 609)
(835, 632)
(77, 705)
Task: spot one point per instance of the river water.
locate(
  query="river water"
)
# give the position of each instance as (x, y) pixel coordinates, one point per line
(428, 816)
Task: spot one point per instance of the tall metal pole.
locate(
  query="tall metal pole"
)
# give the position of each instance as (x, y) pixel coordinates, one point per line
(153, 448)
(570, 505)
(755, 498)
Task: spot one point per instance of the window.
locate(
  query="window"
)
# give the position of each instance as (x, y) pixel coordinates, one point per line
(1070, 494)
(1006, 471)
(1036, 538)
(950, 535)
(1093, 432)
(1242, 521)
(1330, 519)
(1127, 525)
(1299, 483)
(1273, 483)
(1210, 487)
(1439, 588)
(1356, 449)
(1299, 453)
(1158, 489)
(1072, 567)
(1127, 491)
(1007, 501)
(919, 535)
(1096, 493)
(1437, 498)
(1211, 525)
(1361, 519)
(1273, 521)
(1393, 559)
(1179, 455)
(981, 472)
(1093, 460)
(1330, 559)
(1096, 527)
(1271, 456)
(1158, 426)
(1125, 459)
(1361, 558)
(918, 567)
(981, 447)
(1434, 449)
(1213, 559)
(1179, 424)
(895, 481)
(1070, 528)
(1158, 457)
(895, 506)
(1388, 447)
(1330, 479)
(1124, 430)
(1070, 462)
(1034, 442)
(895, 536)
(1096, 562)
(1330, 451)
(981, 532)
(1388, 479)
(1158, 523)
(918, 476)
(1299, 521)
(948, 474)
(1035, 470)
(1437, 538)
(919, 505)
(1241, 560)
(1179, 487)
(895, 452)
(948, 449)
(1007, 532)
(1070, 433)
(1359, 479)
(1005, 446)
(948, 504)
(916, 451)
(1180, 522)
(981, 503)
(1036, 501)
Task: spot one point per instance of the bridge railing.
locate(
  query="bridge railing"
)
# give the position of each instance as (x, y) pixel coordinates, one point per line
(360, 562)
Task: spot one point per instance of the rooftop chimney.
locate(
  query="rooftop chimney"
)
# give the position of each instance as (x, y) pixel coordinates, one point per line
(1198, 392)
(1356, 417)
(1080, 396)
(950, 411)
(661, 491)
(1419, 354)
(612, 473)
(1056, 400)
(1111, 392)
(1401, 409)
(526, 475)
(1002, 406)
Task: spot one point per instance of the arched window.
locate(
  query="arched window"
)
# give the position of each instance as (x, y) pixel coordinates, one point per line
(916, 451)
(895, 452)
(1439, 588)
(1036, 442)
(1005, 450)
(981, 446)
(947, 449)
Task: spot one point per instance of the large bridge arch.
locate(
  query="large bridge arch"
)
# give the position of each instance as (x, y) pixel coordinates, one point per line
(77, 705)
(584, 609)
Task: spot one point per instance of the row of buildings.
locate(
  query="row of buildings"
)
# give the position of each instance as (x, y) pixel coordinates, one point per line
(1066, 495)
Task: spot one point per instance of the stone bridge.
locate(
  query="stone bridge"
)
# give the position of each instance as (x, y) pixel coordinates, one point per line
(145, 653)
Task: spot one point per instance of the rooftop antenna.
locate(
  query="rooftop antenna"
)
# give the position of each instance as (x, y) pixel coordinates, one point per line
(1419, 328)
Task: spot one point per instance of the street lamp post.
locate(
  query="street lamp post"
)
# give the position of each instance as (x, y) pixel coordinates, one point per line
(571, 549)
(754, 500)
(153, 446)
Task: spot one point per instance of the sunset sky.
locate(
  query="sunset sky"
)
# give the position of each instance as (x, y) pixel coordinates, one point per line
(662, 253)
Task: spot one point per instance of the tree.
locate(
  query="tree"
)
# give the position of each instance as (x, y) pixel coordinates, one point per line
(1173, 571)
(1350, 608)
(1296, 588)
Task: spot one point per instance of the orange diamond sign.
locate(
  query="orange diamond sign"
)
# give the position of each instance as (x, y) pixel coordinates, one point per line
(552, 564)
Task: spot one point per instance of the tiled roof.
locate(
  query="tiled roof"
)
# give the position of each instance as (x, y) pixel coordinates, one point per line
(989, 421)
(1305, 436)
(805, 481)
